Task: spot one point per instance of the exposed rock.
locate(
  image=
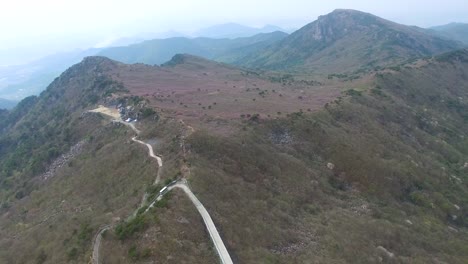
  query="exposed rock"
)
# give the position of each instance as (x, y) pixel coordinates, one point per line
(183, 220)
(281, 137)
(361, 209)
(456, 178)
(386, 252)
(63, 159)
(291, 248)
(330, 166)
(456, 207)
(408, 222)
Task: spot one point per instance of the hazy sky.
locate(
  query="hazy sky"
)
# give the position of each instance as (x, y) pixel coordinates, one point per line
(56, 23)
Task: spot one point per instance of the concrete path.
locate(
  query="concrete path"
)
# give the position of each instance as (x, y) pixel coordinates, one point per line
(97, 244)
(215, 237)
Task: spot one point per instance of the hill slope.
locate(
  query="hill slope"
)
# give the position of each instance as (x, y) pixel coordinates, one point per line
(347, 40)
(379, 176)
(456, 31)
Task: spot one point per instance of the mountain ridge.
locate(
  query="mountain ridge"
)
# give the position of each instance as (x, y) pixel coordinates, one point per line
(159, 51)
(347, 40)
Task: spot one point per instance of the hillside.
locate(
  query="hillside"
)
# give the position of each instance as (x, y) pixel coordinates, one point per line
(379, 176)
(159, 51)
(345, 41)
(292, 170)
(456, 31)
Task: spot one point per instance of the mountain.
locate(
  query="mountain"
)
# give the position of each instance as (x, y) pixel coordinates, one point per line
(233, 30)
(348, 40)
(456, 31)
(159, 51)
(291, 169)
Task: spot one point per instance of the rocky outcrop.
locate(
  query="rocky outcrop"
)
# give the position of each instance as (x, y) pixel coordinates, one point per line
(63, 160)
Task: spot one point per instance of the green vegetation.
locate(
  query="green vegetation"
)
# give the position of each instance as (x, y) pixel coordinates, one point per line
(147, 112)
(127, 229)
(45, 129)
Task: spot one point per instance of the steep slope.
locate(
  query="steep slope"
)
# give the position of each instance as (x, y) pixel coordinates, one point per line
(159, 51)
(347, 40)
(456, 31)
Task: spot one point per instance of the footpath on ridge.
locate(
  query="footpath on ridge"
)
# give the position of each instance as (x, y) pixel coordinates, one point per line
(210, 226)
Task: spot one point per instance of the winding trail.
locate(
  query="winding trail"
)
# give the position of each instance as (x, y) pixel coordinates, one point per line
(210, 226)
(150, 153)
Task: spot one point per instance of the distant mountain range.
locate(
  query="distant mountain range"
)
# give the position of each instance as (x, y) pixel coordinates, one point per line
(159, 51)
(347, 40)
(233, 30)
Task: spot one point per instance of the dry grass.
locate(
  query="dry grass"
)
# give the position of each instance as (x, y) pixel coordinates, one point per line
(174, 234)
(59, 219)
(201, 88)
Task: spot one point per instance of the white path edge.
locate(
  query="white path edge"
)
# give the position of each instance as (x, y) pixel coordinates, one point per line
(210, 226)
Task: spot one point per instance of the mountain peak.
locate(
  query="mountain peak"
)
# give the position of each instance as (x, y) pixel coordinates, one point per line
(347, 11)
(346, 40)
(97, 60)
(338, 23)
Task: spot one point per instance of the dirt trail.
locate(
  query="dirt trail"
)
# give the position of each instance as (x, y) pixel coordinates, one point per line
(210, 226)
(115, 114)
(150, 151)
